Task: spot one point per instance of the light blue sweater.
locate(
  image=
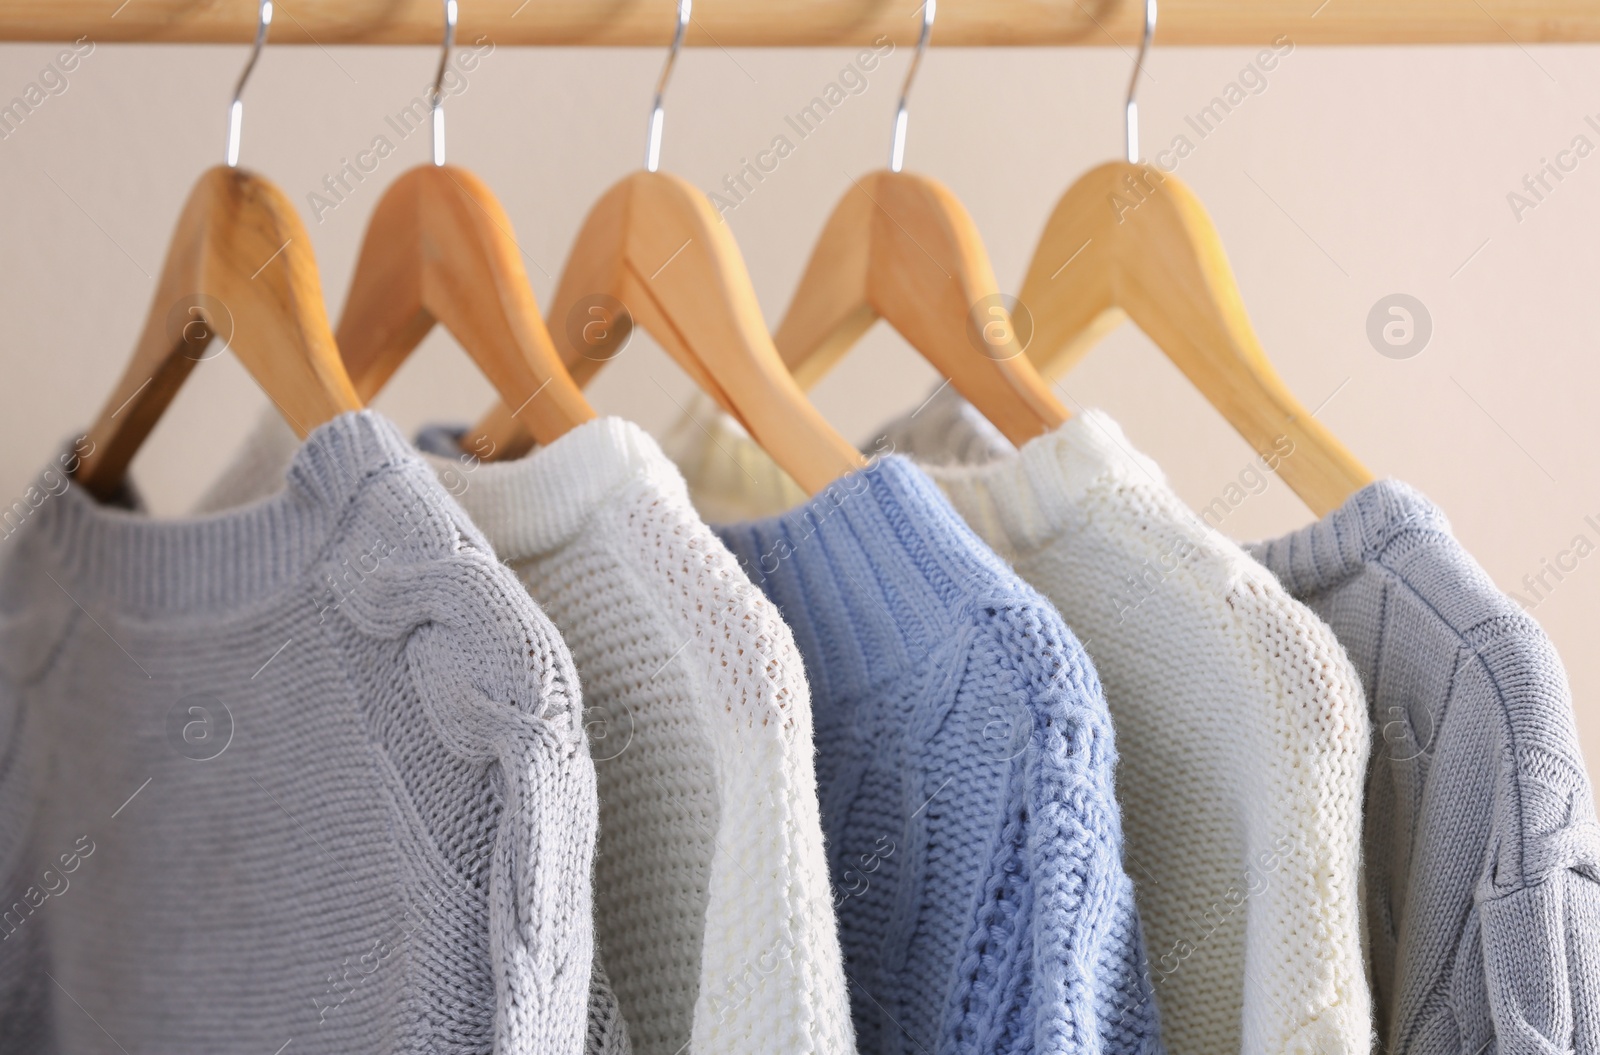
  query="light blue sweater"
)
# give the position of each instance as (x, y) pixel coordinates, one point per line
(1481, 847)
(965, 765)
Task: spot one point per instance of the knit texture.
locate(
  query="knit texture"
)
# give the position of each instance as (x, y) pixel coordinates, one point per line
(309, 775)
(946, 430)
(712, 895)
(966, 762)
(608, 1031)
(1482, 849)
(1244, 737)
(255, 469)
(712, 898)
(1242, 730)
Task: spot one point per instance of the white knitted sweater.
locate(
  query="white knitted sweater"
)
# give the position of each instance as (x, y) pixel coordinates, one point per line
(1241, 727)
(308, 776)
(713, 910)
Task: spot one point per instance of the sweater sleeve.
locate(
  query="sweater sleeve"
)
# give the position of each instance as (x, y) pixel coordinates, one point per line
(541, 930)
(1528, 971)
(1305, 879)
(1537, 944)
(1056, 892)
(498, 693)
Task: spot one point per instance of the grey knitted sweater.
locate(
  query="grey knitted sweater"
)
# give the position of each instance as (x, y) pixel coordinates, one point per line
(309, 776)
(1481, 846)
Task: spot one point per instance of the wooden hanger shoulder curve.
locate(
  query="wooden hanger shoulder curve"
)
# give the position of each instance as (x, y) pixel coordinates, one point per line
(1129, 241)
(239, 268)
(440, 249)
(654, 247)
(902, 247)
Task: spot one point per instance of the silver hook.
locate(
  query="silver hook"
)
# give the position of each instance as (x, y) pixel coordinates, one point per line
(897, 148)
(436, 99)
(652, 143)
(1131, 107)
(236, 111)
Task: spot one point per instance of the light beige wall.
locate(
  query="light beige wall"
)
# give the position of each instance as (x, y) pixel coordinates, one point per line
(1354, 174)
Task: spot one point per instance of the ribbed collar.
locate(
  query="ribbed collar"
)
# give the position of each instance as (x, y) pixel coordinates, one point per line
(876, 575)
(1386, 520)
(539, 502)
(111, 558)
(1022, 501)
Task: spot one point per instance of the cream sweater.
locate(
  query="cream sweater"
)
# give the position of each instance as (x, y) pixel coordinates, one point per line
(1241, 727)
(731, 478)
(713, 912)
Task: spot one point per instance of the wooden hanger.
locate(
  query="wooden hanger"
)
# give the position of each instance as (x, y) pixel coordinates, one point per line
(654, 245)
(902, 247)
(440, 248)
(239, 252)
(1129, 241)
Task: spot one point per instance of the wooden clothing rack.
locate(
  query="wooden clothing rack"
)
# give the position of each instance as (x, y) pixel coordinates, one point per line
(788, 23)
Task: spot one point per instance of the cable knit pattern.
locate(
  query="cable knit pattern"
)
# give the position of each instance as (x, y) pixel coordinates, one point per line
(311, 773)
(1482, 849)
(711, 883)
(966, 760)
(712, 888)
(1242, 730)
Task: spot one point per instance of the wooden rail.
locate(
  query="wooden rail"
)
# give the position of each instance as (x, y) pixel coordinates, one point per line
(745, 23)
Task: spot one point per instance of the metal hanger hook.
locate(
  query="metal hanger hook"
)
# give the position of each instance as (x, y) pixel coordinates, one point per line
(652, 143)
(897, 147)
(436, 97)
(1131, 107)
(236, 111)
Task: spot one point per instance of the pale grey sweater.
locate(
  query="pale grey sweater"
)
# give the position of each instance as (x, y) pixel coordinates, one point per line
(1481, 846)
(309, 776)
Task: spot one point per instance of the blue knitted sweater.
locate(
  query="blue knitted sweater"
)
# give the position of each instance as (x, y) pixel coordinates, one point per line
(965, 765)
